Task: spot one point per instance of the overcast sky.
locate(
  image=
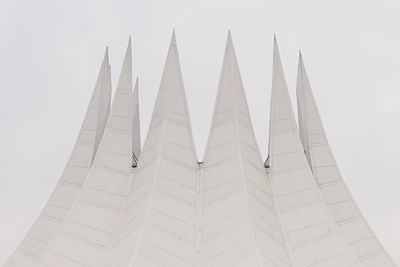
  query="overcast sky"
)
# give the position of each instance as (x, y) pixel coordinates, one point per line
(50, 53)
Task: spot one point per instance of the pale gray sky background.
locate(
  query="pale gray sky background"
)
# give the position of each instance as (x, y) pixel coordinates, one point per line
(50, 52)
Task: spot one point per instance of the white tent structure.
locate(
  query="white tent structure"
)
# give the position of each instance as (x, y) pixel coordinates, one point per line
(311, 233)
(43, 231)
(158, 225)
(119, 206)
(351, 223)
(240, 223)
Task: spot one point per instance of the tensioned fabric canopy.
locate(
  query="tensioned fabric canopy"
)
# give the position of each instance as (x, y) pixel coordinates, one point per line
(118, 205)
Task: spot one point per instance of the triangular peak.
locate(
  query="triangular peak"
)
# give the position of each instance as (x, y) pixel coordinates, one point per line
(45, 228)
(105, 100)
(304, 95)
(281, 111)
(171, 109)
(311, 233)
(103, 72)
(231, 104)
(89, 228)
(352, 224)
(237, 202)
(230, 73)
(159, 223)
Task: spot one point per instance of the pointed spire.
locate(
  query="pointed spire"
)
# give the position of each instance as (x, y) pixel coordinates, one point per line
(281, 115)
(173, 37)
(105, 99)
(277, 68)
(300, 58)
(277, 60)
(303, 84)
(171, 99)
(106, 55)
(301, 65)
(352, 224)
(102, 76)
(129, 48)
(311, 233)
(229, 42)
(44, 231)
(94, 216)
(226, 101)
(232, 180)
(230, 74)
(165, 187)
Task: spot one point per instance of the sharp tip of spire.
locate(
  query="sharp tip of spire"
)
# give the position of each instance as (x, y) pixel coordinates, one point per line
(301, 61)
(276, 49)
(130, 42)
(129, 48)
(229, 41)
(106, 54)
(173, 38)
(106, 61)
